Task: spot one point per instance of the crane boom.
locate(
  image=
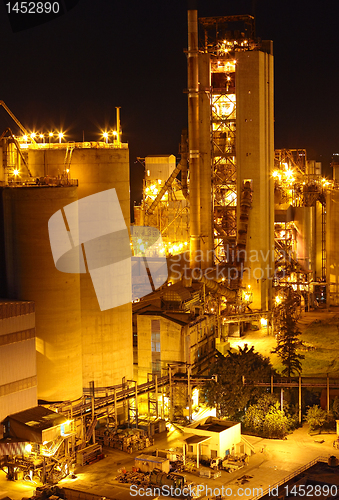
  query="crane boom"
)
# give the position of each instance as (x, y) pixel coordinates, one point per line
(21, 127)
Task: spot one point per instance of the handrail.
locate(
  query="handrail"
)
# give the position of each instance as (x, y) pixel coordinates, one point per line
(290, 476)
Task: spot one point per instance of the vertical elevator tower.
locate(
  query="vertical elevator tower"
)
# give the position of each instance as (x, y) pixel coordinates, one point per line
(235, 147)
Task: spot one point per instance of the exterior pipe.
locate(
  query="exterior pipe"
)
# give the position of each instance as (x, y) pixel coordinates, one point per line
(118, 126)
(193, 136)
(184, 154)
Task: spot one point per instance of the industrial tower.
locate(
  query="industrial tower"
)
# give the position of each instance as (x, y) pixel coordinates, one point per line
(230, 114)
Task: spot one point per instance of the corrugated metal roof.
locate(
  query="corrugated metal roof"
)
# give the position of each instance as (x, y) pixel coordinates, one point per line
(38, 417)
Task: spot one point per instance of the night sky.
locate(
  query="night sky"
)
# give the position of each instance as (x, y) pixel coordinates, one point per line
(71, 73)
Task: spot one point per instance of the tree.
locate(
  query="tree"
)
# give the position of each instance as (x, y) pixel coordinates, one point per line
(266, 418)
(316, 417)
(276, 423)
(335, 408)
(288, 336)
(229, 394)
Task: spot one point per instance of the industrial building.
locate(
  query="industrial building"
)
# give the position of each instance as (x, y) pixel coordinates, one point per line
(18, 387)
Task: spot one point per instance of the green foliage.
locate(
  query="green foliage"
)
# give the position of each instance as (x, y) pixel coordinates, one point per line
(335, 408)
(330, 423)
(316, 417)
(288, 337)
(254, 418)
(229, 394)
(266, 419)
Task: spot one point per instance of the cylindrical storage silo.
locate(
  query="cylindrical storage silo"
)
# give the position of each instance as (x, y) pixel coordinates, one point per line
(107, 341)
(36, 162)
(32, 275)
(305, 222)
(332, 250)
(49, 161)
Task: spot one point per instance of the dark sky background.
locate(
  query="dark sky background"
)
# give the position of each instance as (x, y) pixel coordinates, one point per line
(71, 73)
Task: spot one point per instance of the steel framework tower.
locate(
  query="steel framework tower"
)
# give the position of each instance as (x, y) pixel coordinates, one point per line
(232, 149)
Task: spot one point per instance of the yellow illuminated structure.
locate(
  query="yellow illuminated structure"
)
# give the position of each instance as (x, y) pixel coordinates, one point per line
(171, 211)
(69, 319)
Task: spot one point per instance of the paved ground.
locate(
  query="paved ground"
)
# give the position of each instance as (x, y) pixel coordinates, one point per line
(274, 460)
(324, 359)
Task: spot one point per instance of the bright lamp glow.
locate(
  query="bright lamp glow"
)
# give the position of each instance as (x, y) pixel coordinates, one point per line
(278, 300)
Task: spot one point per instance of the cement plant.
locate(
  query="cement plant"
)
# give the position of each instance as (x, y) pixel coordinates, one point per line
(231, 255)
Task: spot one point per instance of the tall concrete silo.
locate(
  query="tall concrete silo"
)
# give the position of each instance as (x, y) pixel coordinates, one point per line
(106, 335)
(107, 342)
(31, 274)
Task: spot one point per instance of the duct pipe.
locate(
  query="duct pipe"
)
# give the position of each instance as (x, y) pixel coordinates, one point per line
(245, 206)
(193, 136)
(183, 152)
(206, 195)
(212, 285)
(163, 190)
(230, 295)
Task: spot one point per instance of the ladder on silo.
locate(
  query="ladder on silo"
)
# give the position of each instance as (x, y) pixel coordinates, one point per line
(68, 157)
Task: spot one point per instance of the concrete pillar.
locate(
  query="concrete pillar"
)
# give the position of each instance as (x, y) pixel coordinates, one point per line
(255, 157)
(206, 194)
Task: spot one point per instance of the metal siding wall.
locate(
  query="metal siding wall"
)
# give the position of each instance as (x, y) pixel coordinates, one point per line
(17, 361)
(17, 401)
(17, 323)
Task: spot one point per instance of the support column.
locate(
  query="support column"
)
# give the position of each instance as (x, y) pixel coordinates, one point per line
(193, 136)
(206, 195)
(189, 390)
(300, 400)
